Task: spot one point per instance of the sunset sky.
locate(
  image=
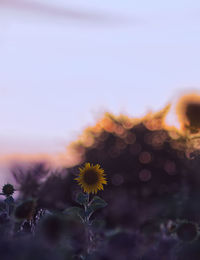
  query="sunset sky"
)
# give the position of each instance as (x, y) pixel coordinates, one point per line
(63, 63)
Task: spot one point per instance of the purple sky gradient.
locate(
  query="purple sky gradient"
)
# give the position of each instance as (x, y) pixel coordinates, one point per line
(64, 63)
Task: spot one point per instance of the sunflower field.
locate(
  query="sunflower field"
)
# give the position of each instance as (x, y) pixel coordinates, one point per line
(132, 195)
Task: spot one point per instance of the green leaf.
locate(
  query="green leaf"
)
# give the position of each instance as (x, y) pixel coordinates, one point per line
(75, 211)
(95, 204)
(9, 200)
(82, 198)
(113, 232)
(98, 202)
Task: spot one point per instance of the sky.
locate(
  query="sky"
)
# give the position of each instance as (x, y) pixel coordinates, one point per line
(64, 63)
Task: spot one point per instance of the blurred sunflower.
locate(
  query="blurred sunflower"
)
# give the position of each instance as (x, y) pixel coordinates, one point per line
(188, 110)
(91, 178)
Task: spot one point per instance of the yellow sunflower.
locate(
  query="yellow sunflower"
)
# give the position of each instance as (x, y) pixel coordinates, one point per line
(91, 178)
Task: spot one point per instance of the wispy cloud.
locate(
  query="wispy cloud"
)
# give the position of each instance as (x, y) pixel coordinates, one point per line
(60, 12)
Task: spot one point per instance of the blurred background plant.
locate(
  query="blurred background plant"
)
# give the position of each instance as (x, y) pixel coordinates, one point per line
(152, 192)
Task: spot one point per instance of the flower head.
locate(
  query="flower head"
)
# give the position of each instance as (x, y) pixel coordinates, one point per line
(8, 189)
(187, 231)
(188, 110)
(91, 178)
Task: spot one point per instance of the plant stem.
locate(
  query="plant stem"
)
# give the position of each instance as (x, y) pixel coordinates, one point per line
(87, 227)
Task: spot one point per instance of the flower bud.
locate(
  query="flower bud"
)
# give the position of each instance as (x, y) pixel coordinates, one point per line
(8, 189)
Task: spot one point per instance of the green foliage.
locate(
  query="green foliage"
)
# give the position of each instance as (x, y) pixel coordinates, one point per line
(82, 198)
(9, 200)
(75, 211)
(95, 204)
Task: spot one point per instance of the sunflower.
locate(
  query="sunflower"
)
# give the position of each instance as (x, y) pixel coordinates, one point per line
(91, 178)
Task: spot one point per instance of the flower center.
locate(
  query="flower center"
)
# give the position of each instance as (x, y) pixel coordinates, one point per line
(90, 177)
